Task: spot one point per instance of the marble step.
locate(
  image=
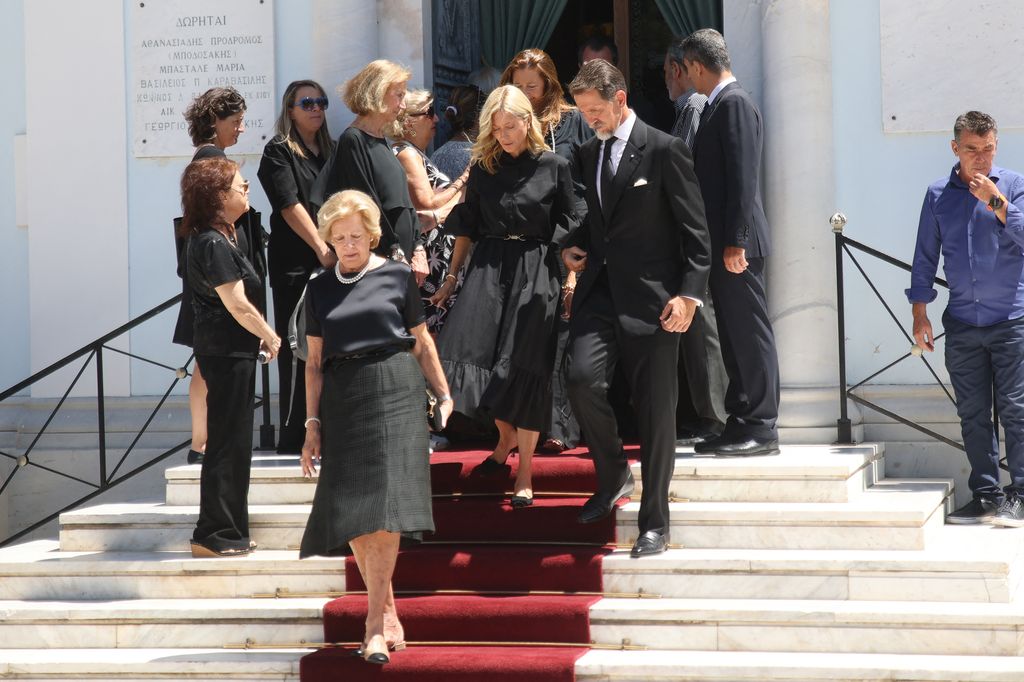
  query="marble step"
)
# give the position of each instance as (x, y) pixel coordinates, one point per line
(800, 473)
(893, 515)
(742, 666)
(838, 626)
(158, 623)
(40, 571)
(136, 665)
(155, 527)
(961, 564)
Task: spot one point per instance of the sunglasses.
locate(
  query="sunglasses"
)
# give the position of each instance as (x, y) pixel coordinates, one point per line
(244, 189)
(429, 112)
(307, 103)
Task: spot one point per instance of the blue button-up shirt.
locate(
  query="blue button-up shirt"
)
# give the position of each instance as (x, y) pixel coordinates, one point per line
(983, 259)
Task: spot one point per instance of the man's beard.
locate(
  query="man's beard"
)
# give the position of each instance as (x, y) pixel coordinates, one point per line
(602, 135)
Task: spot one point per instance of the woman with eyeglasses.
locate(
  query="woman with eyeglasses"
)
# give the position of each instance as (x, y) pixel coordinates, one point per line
(228, 334)
(215, 120)
(432, 191)
(564, 129)
(288, 169)
(364, 161)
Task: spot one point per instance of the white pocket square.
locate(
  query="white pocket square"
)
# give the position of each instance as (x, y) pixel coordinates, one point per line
(640, 183)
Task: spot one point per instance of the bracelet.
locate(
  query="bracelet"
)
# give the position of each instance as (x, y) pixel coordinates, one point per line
(568, 289)
(305, 424)
(451, 277)
(444, 398)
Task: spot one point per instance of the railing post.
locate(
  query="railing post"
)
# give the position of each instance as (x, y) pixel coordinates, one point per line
(101, 415)
(267, 427)
(844, 430)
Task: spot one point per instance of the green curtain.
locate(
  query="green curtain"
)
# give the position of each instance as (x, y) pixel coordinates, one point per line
(686, 16)
(507, 27)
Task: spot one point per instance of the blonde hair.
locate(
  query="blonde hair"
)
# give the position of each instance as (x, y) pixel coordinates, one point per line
(347, 203)
(364, 93)
(416, 101)
(510, 100)
(285, 125)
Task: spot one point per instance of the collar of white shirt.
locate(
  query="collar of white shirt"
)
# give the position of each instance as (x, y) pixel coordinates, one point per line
(719, 87)
(625, 128)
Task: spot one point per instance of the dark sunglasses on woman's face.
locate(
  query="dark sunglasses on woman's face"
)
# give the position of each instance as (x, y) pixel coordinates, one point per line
(429, 112)
(307, 103)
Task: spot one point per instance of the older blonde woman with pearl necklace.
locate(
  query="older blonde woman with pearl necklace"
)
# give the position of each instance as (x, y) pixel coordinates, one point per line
(369, 352)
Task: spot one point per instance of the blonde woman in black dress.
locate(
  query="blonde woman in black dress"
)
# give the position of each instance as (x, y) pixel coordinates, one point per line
(498, 345)
(369, 352)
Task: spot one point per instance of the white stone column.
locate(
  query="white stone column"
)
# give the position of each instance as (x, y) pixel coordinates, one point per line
(799, 192)
(77, 186)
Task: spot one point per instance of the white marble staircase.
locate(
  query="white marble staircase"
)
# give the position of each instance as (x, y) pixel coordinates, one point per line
(806, 566)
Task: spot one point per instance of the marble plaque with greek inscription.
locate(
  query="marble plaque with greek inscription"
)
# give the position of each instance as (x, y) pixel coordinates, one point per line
(182, 48)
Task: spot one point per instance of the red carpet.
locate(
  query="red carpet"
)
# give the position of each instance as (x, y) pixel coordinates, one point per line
(484, 545)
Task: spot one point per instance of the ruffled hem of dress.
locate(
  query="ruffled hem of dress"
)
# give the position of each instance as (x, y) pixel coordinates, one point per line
(505, 392)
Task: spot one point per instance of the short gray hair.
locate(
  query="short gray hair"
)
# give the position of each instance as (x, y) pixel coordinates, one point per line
(707, 47)
(675, 52)
(974, 122)
(600, 75)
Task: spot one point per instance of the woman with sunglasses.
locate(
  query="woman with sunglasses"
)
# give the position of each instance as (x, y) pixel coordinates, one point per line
(291, 161)
(215, 120)
(432, 191)
(228, 332)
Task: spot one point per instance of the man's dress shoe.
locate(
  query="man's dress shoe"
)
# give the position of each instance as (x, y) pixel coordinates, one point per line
(600, 504)
(687, 437)
(748, 448)
(651, 542)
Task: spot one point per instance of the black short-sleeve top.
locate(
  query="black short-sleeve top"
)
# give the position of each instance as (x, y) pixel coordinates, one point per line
(212, 262)
(373, 314)
(528, 195)
(287, 179)
(366, 163)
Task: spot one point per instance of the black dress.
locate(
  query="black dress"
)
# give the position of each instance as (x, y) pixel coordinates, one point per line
(498, 345)
(366, 163)
(565, 140)
(226, 354)
(375, 468)
(287, 179)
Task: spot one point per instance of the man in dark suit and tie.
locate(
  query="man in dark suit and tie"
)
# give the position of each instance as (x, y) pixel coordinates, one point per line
(727, 159)
(644, 256)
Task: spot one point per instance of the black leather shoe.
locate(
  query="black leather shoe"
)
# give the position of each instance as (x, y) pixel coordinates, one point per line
(600, 505)
(708, 445)
(686, 437)
(490, 467)
(750, 447)
(651, 542)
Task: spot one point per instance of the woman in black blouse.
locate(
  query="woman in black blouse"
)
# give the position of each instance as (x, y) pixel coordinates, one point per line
(498, 345)
(291, 161)
(369, 352)
(228, 332)
(534, 72)
(364, 160)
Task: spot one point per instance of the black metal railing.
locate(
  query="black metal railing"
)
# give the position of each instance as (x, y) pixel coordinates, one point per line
(93, 353)
(846, 246)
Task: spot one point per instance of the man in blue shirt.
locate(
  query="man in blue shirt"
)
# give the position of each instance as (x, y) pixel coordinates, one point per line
(975, 219)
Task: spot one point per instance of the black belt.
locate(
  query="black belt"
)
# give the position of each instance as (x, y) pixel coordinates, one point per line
(338, 360)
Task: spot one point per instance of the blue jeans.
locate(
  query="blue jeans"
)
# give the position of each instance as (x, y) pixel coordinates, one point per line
(974, 357)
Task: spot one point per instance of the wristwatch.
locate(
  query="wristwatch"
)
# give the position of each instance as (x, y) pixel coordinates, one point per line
(997, 202)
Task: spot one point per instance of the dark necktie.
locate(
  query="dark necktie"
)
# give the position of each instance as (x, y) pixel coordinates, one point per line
(706, 114)
(607, 174)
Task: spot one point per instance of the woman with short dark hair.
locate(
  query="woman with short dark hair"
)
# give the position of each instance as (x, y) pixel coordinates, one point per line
(229, 331)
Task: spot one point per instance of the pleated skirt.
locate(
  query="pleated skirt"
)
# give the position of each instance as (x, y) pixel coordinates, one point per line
(375, 466)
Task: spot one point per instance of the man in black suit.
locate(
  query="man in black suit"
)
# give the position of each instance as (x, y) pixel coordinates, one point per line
(727, 159)
(644, 255)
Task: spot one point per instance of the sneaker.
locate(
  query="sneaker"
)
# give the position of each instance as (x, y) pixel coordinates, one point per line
(978, 510)
(1011, 513)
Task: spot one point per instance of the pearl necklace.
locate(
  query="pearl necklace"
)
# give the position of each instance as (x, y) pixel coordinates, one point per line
(353, 279)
